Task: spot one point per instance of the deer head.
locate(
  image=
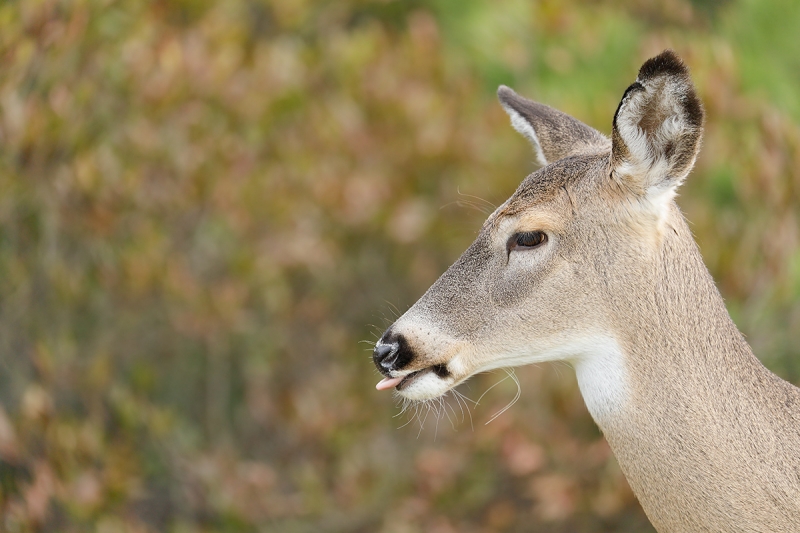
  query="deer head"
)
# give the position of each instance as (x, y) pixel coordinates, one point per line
(560, 270)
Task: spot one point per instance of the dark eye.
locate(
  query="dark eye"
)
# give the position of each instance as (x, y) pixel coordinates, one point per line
(529, 239)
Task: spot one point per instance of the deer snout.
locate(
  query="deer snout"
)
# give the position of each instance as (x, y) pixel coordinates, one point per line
(391, 353)
(406, 367)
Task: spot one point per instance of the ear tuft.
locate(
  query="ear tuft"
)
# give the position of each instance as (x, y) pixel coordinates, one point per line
(657, 127)
(667, 62)
(553, 134)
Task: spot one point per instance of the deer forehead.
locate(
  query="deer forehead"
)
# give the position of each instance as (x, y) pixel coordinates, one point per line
(537, 217)
(552, 196)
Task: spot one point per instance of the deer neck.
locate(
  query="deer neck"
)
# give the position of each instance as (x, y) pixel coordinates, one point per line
(677, 390)
(681, 337)
(671, 334)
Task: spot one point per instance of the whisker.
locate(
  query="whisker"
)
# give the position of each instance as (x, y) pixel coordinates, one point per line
(445, 404)
(463, 398)
(438, 417)
(485, 201)
(386, 320)
(490, 388)
(377, 331)
(513, 376)
(422, 422)
(411, 418)
(481, 209)
(394, 308)
(448, 204)
(405, 404)
(471, 205)
(455, 395)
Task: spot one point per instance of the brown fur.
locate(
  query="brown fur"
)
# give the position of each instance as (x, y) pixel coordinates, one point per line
(708, 438)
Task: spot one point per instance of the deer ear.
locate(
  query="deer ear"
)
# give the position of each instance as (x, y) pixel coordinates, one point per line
(658, 127)
(553, 134)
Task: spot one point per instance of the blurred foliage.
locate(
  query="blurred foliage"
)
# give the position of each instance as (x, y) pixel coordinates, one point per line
(204, 206)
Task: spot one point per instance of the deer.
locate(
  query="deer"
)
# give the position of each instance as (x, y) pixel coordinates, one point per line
(591, 262)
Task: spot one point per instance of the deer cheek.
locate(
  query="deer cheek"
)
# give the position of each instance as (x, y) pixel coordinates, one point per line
(513, 288)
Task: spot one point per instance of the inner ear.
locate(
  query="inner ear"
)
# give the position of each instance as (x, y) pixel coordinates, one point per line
(657, 127)
(653, 113)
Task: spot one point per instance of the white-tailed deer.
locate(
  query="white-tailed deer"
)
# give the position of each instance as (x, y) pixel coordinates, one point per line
(591, 261)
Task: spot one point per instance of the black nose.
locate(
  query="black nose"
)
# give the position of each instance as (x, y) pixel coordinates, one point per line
(385, 355)
(392, 353)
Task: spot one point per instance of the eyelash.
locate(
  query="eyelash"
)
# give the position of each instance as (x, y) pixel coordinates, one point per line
(526, 240)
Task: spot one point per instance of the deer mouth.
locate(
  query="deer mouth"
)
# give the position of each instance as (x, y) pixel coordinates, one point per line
(409, 378)
(399, 383)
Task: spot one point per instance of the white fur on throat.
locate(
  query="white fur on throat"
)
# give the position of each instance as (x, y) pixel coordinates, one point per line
(602, 377)
(599, 365)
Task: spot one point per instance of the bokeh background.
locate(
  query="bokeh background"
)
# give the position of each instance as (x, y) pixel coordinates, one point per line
(205, 207)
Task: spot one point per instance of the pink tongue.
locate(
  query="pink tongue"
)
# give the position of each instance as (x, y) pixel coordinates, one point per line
(388, 383)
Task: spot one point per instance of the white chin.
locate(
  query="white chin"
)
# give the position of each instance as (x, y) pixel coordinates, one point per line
(425, 387)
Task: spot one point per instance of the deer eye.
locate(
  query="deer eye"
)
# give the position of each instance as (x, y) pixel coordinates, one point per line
(526, 240)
